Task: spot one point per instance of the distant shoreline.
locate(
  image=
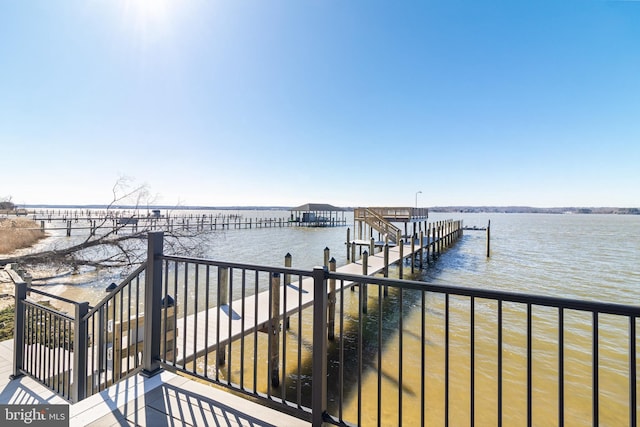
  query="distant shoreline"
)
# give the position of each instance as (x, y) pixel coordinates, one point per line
(528, 209)
(443, 209)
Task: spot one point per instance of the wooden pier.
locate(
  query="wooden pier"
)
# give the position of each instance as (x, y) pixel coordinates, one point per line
(169, 223)
(290, 297)
(134, 221)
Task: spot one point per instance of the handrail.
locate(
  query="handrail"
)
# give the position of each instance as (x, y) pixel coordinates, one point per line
(381, 224)
(399, 213)
(509, 296)
(183, 341)
(115, 291)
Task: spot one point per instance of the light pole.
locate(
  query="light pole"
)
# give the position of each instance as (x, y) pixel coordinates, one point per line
(418, 192)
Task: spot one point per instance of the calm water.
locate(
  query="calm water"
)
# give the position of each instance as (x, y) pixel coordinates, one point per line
(577, 256)
(594, 257)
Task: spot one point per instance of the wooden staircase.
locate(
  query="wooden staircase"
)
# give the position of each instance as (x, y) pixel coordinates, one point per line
(377, 222)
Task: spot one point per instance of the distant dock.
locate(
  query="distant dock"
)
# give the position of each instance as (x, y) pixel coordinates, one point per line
(134, 221)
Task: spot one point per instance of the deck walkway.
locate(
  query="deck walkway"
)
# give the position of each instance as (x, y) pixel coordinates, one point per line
(202, 340)
(163, 400)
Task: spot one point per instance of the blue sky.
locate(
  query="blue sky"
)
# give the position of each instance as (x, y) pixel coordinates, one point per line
(354, 103)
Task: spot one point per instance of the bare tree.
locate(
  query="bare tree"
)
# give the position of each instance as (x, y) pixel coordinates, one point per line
(115, 243)
(6, 204)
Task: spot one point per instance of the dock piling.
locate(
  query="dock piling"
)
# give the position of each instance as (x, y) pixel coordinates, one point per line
(223, 292)
(365, 268)
(401, 253)
(413, 252)
(489, 239)
(421, 248)
(386, 267)
(287, 282)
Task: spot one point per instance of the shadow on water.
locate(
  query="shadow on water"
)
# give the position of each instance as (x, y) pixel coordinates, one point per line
(380, 327)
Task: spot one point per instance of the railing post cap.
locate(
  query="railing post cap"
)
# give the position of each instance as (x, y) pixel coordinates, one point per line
(168, 301)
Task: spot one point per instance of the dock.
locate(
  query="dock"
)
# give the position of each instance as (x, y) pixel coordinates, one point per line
(140, 220)
(299, 295)
(190, 334)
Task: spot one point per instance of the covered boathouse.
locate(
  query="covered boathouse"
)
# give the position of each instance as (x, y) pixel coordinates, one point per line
(318, 215)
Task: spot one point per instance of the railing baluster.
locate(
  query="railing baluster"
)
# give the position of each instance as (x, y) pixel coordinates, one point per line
(299, 370)
(185, 312)
(255, 334)
(379, 344)
(499, 363)
(560, 366)
(175, 317)
(243, 295)
(341, 355)
(360, 332)
(529, 367)
(446, 359)
(596, 380)
(472, 375)
(206, 326)
(633, 372)
(229, 321)
(221, 279)
(195, 317)
(423, 356)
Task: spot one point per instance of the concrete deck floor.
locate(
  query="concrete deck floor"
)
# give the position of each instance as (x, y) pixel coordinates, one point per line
(166, 399)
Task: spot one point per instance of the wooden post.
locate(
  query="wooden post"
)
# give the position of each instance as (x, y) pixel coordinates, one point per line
(489, 239)
(428, 229)
(223, 290)
(326, 257)
(401, 263)
(287, 263)
(348, 244)
(332, 302)
(433, 241)
(68, 228)
(372, 246)
(385, 251)
(365, 268)
(386, 267)
(274, 331)
(413, 252)
(287, 282)
(353, 251)
(421, 246)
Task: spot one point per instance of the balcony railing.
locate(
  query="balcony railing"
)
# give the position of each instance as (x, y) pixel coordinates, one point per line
(346, 349)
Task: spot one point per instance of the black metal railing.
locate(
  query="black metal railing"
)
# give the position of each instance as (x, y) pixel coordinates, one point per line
(447, 354)
(114, 334)
(348, 349)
